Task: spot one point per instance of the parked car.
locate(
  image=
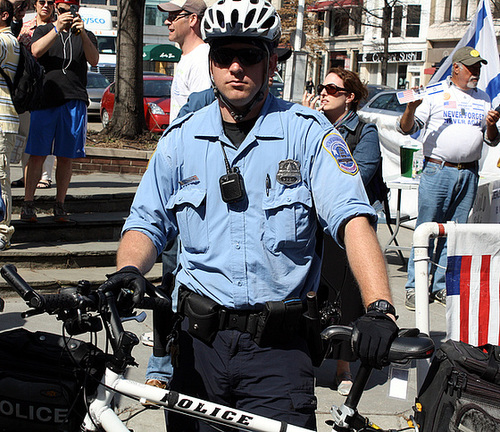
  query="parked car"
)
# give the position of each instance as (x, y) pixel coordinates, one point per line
(156, 102)
(96, 85)
(373, 89)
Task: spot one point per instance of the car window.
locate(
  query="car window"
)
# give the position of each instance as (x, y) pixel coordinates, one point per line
(157, 88)
(381, 102)
(97, 81)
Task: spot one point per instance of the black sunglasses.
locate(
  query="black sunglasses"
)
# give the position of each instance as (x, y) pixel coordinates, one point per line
(42, 3)
(331, 89)
(172, 16)
(246, 56)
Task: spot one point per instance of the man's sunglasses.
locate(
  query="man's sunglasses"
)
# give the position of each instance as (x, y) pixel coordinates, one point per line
(174, 17)
(331, 89)
(246, 56)
(48, 2)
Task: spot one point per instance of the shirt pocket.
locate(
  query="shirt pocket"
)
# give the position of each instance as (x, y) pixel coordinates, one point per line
(189, 205)
(287, 216)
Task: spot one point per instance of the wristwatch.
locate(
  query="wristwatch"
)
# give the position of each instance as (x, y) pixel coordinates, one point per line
(382, 306)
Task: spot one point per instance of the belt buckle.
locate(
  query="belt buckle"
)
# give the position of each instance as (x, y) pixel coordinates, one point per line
(461, 166)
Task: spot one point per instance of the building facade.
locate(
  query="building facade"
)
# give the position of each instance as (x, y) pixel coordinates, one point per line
(421, 34)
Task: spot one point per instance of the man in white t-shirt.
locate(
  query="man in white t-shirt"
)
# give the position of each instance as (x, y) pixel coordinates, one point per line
(191, 74)
(454, 124)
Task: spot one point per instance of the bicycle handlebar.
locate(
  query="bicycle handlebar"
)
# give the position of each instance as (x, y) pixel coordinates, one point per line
(409, 344)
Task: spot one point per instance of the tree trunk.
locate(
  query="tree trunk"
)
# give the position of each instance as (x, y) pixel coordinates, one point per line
(128, 120)
(386, 32)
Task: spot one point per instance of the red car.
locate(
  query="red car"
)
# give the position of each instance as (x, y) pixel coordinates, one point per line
(156, 102)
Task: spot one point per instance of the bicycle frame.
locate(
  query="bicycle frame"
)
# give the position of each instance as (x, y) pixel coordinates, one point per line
(101, 414)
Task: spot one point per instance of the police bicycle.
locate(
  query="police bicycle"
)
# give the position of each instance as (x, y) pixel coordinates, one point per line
(99, 376)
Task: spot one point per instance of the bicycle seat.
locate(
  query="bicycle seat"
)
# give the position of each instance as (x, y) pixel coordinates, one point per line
(410, 343)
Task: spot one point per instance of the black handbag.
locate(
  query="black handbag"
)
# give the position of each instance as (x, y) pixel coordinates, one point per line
(461, 391)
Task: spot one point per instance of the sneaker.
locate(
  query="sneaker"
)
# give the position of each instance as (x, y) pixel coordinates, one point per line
(28, 212)
(344, 383)
(155, 383)
(147, 339)
(60, 214)
(440, 296)
(410, 299)
(4, 244)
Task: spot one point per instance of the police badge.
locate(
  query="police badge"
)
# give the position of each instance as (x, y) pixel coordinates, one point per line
(289, 172)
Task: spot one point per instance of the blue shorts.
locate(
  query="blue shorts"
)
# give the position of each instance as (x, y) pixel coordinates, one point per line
(60, 131)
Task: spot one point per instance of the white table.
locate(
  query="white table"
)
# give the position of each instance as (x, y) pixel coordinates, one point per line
(400, 183)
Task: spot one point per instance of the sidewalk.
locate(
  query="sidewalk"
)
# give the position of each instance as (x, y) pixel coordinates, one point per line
(385, 411)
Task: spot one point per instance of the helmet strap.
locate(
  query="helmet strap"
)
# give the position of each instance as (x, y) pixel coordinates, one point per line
(239, 113)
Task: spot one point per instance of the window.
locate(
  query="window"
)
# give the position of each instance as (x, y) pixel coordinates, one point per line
(447, 10)
(95, 2)
(413, 21)
(150, 15)
(339, 23)
(397, 21)
(495, 9)
(356, 19)
(321, 24)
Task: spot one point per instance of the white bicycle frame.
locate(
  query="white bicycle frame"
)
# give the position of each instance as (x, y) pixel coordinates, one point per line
(100, 413)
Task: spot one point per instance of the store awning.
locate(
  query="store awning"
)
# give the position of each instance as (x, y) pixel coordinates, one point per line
(161, 52)
(324, 5)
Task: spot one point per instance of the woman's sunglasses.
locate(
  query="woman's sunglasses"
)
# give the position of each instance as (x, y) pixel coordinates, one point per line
(246, 56)
(42, 3)
(331, 89)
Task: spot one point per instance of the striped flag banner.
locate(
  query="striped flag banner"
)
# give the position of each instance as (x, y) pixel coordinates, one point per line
(473, 285)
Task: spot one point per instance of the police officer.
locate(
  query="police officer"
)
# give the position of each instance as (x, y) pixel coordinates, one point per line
(243, 183)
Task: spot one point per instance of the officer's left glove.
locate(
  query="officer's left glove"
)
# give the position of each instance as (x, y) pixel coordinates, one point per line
(372, 336)
(127, 282)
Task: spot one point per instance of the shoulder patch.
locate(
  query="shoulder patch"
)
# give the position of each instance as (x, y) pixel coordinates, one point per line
(334, 144)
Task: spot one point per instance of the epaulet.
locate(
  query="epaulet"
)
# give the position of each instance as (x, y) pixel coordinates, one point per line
(178, 122)
(316, 116)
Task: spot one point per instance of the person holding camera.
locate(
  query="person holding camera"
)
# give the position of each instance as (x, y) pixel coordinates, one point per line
(63, 48)
(244, 182)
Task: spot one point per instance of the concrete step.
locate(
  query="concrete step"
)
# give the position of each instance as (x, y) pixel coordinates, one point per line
(53, 279)
(82, 227)
(61, 255)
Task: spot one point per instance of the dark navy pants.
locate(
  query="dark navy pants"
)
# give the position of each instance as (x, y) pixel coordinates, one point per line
(273, 382)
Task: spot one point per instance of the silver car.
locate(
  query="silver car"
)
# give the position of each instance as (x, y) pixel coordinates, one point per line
(96, 84)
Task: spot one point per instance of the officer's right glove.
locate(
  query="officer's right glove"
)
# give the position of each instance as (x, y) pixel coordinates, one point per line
(372, 336)
(127, 282)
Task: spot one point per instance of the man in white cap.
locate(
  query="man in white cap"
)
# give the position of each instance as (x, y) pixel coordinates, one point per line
(191, 74)
(454, 124)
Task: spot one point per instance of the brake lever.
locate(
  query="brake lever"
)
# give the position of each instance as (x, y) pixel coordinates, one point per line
(139, 318)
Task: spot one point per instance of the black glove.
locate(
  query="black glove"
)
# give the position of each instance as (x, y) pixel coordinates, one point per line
(126, 282)
(372, 336)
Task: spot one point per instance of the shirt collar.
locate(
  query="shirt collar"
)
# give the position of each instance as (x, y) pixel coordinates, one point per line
(268, 124)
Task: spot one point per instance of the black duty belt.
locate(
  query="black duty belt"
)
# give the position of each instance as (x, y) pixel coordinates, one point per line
(460, 166)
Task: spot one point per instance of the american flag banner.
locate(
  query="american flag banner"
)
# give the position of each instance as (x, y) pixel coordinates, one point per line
(473, 284)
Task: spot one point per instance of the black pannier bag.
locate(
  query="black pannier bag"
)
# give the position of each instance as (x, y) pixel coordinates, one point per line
(461, 391)
(44, 379)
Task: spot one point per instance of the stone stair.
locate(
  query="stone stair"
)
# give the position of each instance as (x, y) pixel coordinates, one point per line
(51, 255)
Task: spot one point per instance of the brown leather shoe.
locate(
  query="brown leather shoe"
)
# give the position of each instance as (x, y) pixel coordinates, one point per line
(155, 383)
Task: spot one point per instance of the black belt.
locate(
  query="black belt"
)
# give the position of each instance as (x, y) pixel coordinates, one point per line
(243, 321)
(460, 166)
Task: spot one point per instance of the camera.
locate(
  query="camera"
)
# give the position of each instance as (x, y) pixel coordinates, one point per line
(74, 11)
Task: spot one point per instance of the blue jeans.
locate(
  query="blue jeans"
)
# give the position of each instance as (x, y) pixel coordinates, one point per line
(445, 194)
(160, 368)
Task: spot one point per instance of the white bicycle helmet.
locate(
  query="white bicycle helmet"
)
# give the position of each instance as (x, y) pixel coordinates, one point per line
(255, 19)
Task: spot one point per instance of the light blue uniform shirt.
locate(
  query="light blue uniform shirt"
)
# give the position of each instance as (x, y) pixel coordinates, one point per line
(264, 247)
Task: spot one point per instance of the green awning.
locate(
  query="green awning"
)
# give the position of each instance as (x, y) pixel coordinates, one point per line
(161, 52)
